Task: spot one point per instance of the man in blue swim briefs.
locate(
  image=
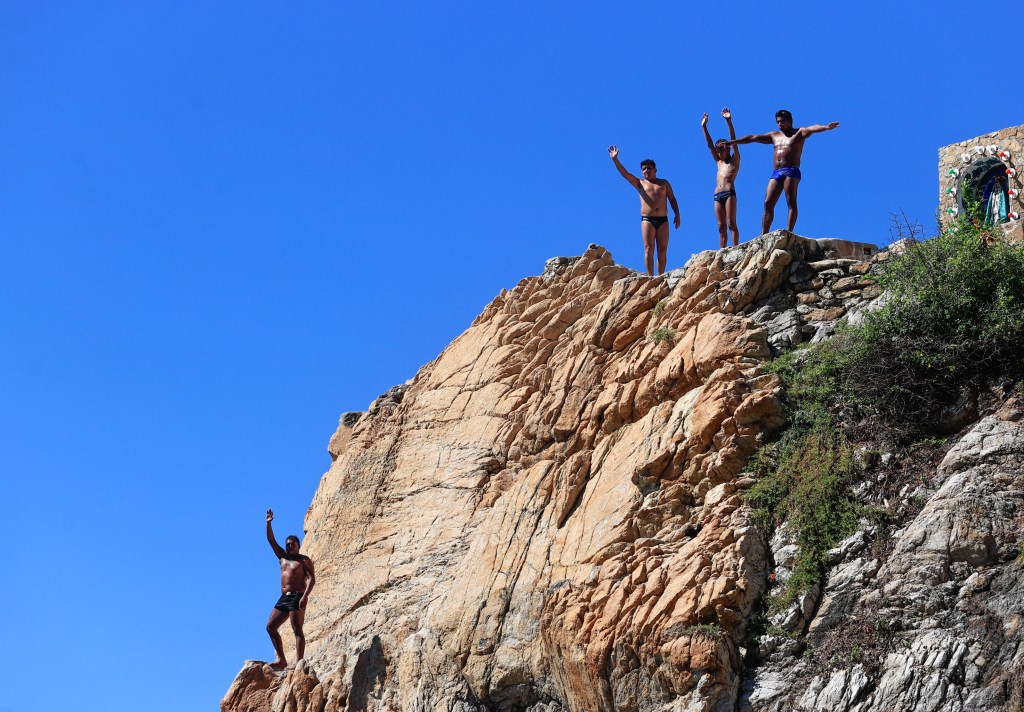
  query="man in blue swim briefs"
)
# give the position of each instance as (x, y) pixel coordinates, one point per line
(654, 193)
(789, 146)
(728, 163)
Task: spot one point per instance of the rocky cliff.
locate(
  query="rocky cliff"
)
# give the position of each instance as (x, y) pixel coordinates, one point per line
(551, 516)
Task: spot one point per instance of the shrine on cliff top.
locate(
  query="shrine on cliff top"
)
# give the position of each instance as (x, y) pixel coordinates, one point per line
(985, 169)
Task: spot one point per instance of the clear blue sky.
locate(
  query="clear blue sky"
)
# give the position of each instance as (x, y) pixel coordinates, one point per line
(224, 224)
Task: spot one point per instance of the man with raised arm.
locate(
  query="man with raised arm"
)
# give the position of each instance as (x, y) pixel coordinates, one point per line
(297, 579)
(654, 193)
(789, 146)
(728, 164)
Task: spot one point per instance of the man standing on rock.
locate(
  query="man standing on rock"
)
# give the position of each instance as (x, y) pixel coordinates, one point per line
(297, 579)
(728, 163)
(789, 145)
(654, 193)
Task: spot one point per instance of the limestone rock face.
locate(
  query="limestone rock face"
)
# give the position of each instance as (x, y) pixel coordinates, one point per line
(550, 515)
(938, 625)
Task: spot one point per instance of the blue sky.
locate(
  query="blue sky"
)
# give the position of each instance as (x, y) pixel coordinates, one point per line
(224, 224)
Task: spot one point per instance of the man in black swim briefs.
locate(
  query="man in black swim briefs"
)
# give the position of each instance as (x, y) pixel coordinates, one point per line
(297, 579)
(789, 147)
(654, 194)
(728, 166)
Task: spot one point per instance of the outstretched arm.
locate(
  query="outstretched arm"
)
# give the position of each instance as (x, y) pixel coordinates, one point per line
(707, 138)
(752, 138)
(727, 115)
(270, 536)
(307, 565)
(818, 128)
(613, 151)
(672, 201)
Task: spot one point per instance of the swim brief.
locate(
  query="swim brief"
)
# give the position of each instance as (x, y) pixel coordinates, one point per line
(655, 220)
(786, 172)
(724, 195)
(289, 601)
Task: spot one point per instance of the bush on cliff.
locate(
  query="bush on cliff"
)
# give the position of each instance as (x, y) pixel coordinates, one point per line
(954, 322)
(806, 480)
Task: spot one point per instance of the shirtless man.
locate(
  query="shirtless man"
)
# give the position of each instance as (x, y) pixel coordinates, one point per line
(725, 183)
(654, 192)
(789, 145)
(297, 581)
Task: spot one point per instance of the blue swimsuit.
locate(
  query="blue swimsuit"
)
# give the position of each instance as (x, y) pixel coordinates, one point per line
(786, 172)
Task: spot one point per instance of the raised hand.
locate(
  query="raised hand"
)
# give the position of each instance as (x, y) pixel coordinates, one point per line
(704, 121)
(834, 124)
(270, 515)
(726, 114)
(613, 151)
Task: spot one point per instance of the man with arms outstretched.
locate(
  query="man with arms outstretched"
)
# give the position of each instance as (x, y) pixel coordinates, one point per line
(728, 163)
(789, 146)
(297, 581)
(654, 193)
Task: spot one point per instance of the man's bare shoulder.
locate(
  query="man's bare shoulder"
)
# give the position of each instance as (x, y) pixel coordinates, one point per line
(300, 558)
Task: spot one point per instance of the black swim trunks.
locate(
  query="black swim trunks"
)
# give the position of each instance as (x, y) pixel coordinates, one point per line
(655, 220)
(724, 195)
(289, 601)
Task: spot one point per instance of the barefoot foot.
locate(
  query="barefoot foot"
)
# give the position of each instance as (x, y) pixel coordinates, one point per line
(279, 664)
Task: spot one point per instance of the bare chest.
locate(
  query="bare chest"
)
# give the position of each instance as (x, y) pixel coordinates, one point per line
(727, 170)
(290, 568)
(786, 145)
(655, 190)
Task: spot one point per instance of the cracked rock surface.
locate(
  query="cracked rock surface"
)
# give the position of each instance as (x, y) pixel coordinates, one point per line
(942, 615)
(550, 515)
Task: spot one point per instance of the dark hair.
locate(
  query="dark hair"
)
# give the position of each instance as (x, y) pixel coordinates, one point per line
(783, 114)
(291, 536)
(719, 142)
(647, 162)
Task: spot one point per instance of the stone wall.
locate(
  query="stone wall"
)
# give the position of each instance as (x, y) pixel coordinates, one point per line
(1007, 145)
(822, 289)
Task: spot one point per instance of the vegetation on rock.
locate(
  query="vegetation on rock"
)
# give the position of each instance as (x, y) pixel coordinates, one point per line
(952, 326)
(954, 322)
(664, 334)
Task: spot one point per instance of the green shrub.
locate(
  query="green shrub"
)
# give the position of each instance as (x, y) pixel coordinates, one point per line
(806, 480)
(954, 321)
(663, 334)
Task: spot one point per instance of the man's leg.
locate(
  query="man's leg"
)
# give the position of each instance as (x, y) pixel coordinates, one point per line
(662, 238)
(720, 217)
(297, 618)
(730, 211)
(648, 232)
(771, 197)
(792, 184)
(276, 619)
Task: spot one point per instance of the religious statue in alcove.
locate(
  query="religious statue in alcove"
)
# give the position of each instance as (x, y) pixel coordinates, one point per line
(996, 200)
